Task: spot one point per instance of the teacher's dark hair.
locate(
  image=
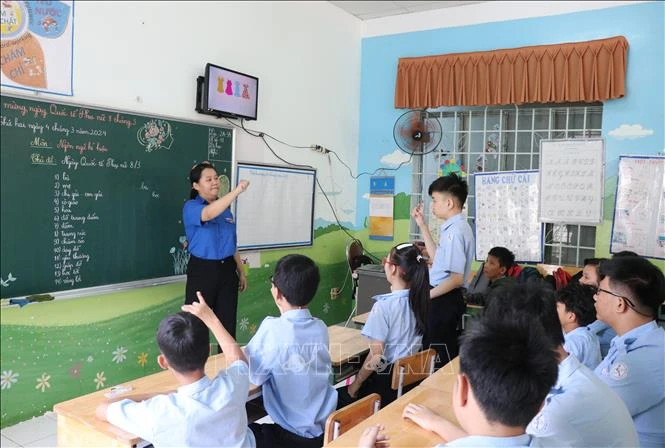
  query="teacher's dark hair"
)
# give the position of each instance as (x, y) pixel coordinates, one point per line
(195, 176)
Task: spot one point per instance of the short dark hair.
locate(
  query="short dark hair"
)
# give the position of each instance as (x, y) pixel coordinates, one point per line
(184, 340)
(644, 281)
(506, 258)
(535, 300)
(593, 261)
(452, 184)
(297, 278)
(195, 176)
(625, 253)
(578, 298)
(511, 366)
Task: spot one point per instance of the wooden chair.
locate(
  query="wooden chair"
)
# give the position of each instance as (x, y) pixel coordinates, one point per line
(349, 416)
(412, 368)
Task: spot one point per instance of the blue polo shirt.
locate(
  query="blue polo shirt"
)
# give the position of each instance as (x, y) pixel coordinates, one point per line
(392, 322)
(289, 356)
(455, 251)
(581, 410)
(488, 441)
(211, 240)
(635, 369)
(605, 334)
(583, 343)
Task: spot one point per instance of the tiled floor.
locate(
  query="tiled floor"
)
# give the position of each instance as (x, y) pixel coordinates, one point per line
(36, 432)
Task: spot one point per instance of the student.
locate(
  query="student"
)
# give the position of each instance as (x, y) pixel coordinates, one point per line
(628, 297)
(499, 260)
(203, 412)
(575, 307)
(395, 324)
(591, 277)
(451, 266)
(507, 367)
(289, 356)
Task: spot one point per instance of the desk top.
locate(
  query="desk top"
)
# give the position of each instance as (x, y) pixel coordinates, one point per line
(361, 318)
(345, 344)
(83, 408)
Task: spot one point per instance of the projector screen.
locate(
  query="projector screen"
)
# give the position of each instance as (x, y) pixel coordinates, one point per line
(277, 210)
(231, 92)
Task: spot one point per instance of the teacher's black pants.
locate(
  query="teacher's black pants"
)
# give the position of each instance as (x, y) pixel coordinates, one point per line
(218, 282)
(441, 334)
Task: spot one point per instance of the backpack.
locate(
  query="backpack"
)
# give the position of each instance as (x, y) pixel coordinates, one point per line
(527, 274)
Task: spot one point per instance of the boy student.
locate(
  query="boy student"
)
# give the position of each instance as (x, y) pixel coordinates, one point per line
(499, 260)
(628, 297)
(289, 356)
(507, 367)
(451, 264)
(575, 307)
(203, 412)
(590, 276)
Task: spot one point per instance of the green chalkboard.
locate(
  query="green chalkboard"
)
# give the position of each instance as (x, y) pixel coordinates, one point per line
(94, 197)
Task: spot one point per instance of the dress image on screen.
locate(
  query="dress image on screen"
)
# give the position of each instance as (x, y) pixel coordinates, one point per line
(231, 93)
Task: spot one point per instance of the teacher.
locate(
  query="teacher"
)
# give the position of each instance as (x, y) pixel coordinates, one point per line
(214, 266)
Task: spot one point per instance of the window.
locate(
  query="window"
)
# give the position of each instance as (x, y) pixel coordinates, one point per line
(507, 138)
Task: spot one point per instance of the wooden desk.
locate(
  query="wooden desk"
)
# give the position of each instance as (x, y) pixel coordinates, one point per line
(78, 425)
(345, 345)
(360, 318)
(444, 378)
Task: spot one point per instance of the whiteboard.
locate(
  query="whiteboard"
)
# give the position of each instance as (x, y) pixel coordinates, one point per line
(277, 209)
(507, 214)
(571, 181)
(639, 211)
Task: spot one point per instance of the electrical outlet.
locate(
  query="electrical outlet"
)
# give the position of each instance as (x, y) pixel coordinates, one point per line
(334, 293)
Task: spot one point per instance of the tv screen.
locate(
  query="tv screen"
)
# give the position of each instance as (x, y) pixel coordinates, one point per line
(230, 93)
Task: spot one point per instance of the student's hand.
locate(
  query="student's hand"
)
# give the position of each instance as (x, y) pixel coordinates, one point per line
(200, 309)
(421, 416)
(371, 437)
(242, 280)
(417, 214)
(353, 389)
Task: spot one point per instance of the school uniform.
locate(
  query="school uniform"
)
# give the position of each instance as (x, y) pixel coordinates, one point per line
(582, 343)
(205, 413)
(635, 369)
(392, 322)
(454, 254)
(581, 410)
(488, 441)
(289, 357)
(212, 268)
(605, 334)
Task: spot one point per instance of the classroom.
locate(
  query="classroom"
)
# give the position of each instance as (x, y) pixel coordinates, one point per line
(115, 127)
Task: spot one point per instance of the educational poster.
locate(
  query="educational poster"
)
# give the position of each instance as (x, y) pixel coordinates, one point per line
(507, 214)
(571, 181)
(381, 208)
(37, 45)
(639, 212)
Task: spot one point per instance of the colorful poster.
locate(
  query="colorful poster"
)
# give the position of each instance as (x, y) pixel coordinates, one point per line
(37, 45)
(381, 208)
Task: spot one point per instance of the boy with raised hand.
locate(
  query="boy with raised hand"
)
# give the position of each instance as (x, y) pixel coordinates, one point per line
(203, 412)
(451, 266)
(628, 297)
(575, 307)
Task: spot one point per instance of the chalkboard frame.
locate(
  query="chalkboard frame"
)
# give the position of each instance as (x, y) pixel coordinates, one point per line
(139, 282)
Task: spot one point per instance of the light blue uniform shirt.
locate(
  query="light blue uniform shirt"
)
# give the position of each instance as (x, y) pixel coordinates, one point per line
(581, 410)
(392, 322)
(211, 240)
(455, 251)
(487, 441)
(582, 343)
(289, 356)
(635, 369)
(205, 413)
(605, 334)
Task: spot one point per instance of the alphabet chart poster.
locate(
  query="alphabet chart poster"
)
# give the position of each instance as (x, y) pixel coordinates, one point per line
(507, 214)
(639, 212)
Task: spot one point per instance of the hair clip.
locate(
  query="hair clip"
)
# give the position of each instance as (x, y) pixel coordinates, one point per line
(419, 258)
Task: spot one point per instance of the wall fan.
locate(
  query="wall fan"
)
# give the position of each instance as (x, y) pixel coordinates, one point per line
(417, 134)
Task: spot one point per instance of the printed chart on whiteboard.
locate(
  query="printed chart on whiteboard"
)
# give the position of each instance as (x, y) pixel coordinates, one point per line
(507, 214)
(639, 213)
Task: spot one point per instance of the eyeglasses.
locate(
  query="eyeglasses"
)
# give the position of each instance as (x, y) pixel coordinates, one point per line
(628, 301)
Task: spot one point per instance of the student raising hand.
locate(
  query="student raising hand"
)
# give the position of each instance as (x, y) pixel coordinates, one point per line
(371, 437)
(201, 310)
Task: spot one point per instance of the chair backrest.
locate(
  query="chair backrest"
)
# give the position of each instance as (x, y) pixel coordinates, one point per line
(349, 416)
(412, 368)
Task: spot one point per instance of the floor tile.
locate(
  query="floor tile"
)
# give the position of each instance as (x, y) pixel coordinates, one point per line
(30, 430)
(47, 442)
(7, 443)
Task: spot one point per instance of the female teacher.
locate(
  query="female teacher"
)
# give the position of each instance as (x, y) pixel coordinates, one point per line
(214, 266)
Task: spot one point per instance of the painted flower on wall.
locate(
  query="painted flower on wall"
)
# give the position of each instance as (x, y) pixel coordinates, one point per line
(244, 324)
(326, 308)
(99, 380)
(119, 355)
(42, 382)
(143, 358)
(8, 379)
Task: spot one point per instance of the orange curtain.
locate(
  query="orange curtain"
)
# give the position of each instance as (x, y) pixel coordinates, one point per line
(572, 72)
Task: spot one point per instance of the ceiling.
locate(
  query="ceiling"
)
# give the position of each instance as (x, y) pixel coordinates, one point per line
(374, 10)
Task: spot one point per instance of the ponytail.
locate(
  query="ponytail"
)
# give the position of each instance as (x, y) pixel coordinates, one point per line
(414, 270)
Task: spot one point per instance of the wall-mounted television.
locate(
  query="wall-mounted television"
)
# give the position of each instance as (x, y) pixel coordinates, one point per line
(227, 93)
